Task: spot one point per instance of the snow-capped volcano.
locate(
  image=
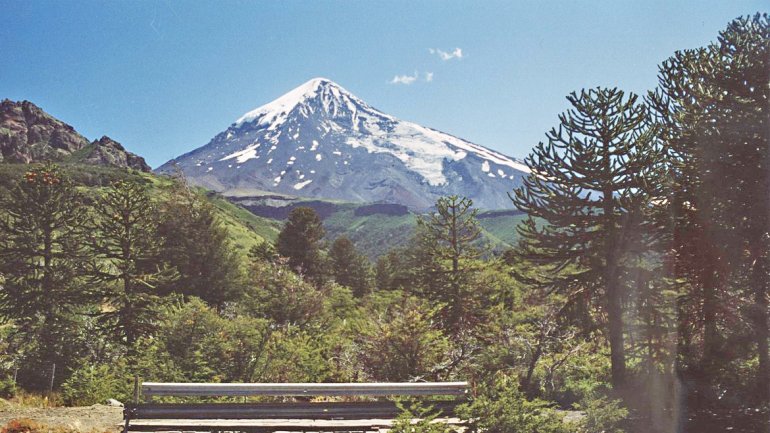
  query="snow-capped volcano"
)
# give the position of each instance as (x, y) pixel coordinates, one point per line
(321, 141)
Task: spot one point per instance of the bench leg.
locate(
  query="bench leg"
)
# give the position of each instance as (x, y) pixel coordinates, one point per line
(127, 416)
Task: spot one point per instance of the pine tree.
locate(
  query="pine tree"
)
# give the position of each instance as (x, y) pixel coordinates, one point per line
(349, 268)
(300, 242)
(398, 268)
(446, 239)
(582, 197)
(197, 244)
(42, 248)
(130, 269)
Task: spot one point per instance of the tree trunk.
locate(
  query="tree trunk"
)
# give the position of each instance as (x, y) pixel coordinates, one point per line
(759, 282)
(617, 349)
(710, 333)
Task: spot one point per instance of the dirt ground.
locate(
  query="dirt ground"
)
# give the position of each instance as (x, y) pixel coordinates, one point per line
(96, 418)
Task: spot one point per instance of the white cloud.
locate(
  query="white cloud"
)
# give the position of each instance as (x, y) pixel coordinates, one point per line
(457, 53)
(405, 79)
(410, 79)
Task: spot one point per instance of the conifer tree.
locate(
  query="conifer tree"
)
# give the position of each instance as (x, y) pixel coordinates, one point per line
(197, 244)
(714, 105)
(129, 270)
(588, 182)
(300, 242)
(42, 248)
(446, 239)
(349, 268)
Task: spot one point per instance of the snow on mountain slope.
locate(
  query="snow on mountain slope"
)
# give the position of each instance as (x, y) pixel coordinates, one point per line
(321, 141)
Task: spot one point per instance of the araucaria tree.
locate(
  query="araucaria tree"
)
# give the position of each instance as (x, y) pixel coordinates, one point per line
(714, 105)
(129, 268)
(583, 197)
(349, 268)
(42, 249)
(446, 239)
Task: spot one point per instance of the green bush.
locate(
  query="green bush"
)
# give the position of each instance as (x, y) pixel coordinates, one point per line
(503, 408)
(414, 418)
(7, 388)
(602, 416)
(95, 384)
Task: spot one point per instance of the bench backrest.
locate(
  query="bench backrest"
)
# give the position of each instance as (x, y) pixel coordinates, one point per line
(152, 389)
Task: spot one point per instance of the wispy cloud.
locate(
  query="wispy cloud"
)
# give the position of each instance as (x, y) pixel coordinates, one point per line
(410, 79)
(457, 53)
(405, 79)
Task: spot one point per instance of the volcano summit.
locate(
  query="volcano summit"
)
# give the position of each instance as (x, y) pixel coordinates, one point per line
(321, 141)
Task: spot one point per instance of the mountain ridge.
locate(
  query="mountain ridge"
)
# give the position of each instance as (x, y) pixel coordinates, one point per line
(29, 134)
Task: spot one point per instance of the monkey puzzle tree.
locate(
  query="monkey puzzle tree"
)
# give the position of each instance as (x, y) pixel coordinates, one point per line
(349, 268)
(129, 268)
(300, 242)
(583, 196)
(714, 106)
(447, 257)
(42, 248)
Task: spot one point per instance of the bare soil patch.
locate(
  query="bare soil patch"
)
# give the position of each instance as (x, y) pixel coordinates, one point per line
(99, 418)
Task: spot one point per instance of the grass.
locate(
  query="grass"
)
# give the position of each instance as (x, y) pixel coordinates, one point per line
(36, 400)
(246, 229)
(79, 155)
(502, 228)
(373, 235)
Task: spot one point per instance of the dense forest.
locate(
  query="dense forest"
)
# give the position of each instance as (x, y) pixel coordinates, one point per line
(638, 293)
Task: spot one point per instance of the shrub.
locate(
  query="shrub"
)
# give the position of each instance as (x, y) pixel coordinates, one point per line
(95, 384)
(602, 416)
(503, 408)
(7, 388)
(415, 418)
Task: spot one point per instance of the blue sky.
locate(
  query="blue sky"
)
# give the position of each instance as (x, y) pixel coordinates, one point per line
(163, 77)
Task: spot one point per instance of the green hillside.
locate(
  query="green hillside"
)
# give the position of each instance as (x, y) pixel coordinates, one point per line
(245, 228)
(373, 235)
(373, 228)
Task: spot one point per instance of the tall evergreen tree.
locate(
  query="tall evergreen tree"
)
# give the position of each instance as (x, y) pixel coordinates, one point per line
(714, 105)
(446, 239)
(397, 269)
(300, 241)
(744, 49)
(582, 197)
(42, 248)
(130, 270)
(197, 244)
(349, 268)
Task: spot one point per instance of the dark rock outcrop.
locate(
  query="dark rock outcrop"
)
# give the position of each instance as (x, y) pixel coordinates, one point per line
(106, 151)
(29, 134)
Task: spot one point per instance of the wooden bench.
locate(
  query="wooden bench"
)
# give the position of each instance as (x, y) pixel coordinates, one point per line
(298, 416)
